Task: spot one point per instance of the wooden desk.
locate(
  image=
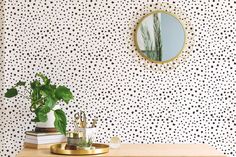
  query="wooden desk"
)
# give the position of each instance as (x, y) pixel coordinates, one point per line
(142, 150)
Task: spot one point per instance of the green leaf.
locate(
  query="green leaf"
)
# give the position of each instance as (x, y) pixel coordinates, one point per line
(41, 113)
(11, 92)
(60, 121)
(35, 84)
(44, 78)
(20, 83)
(41, 117)
(63, 93)
(35, 94)
(50, 102)
(47, 90)
(44, 109)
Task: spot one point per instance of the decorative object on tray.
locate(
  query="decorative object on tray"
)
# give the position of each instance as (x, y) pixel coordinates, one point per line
(80, 141)
(44, 97)
(81, 124)
(115, 142)
(43, 140)
(77, 141)
(82, 137)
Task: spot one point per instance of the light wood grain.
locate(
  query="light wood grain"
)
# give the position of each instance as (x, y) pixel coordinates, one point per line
(142, 150)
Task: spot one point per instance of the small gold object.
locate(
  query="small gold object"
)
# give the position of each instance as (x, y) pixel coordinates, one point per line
(94, 123)
(80, 120)
(98, 149)
(74, 135)
(83, 119)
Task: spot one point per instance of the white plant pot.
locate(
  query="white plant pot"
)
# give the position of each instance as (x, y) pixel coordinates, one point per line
(50, 122)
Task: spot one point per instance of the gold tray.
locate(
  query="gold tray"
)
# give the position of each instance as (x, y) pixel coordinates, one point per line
(60, 149)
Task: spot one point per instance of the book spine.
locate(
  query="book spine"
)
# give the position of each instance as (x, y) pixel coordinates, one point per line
(45, 141)
(44, 137)
(41, 134)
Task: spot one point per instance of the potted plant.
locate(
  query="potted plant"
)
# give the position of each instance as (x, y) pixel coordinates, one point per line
(44, 97)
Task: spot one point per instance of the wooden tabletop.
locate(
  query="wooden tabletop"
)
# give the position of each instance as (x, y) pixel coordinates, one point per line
(142, 150)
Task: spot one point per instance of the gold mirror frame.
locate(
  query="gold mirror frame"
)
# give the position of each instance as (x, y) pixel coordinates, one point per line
(136, 42)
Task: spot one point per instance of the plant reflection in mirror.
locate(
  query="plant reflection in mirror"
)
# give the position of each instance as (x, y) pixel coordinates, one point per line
(157, 37)
(148, 45)
(152, 49)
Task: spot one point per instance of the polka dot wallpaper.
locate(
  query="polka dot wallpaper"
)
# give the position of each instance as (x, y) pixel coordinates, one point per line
(88, 46)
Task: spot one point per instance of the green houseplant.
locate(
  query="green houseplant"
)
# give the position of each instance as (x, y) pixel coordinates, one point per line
(44, 96)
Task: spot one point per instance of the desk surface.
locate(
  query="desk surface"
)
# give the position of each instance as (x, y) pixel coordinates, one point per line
(142, 150)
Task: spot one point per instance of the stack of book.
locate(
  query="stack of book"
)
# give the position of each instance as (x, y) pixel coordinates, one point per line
(42, 140)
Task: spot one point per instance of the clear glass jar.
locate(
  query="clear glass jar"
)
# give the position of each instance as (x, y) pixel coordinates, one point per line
(73, 138)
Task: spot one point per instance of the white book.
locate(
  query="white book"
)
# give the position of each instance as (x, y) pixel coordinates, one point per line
(42, 138)
(46, 141)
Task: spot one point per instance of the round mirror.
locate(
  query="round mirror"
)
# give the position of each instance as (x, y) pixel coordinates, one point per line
(160, 37)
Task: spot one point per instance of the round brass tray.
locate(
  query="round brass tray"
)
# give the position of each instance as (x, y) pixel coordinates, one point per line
(60, 149)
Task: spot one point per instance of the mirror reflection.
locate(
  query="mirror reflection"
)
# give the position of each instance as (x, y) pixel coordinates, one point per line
(160, 37)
